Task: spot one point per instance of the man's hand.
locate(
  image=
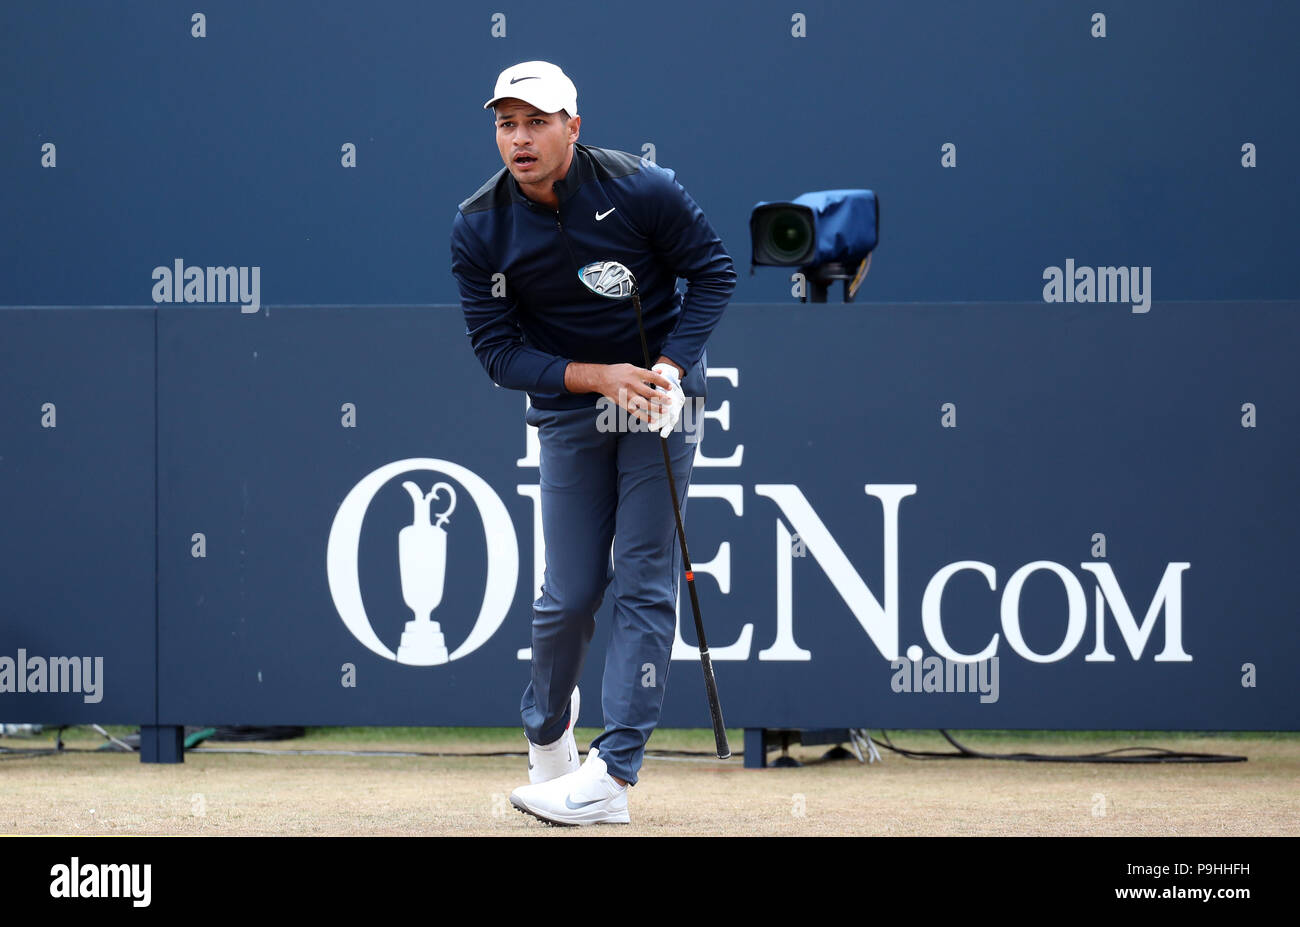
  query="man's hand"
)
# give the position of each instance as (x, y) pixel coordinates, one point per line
(645, 394)
(668, 415)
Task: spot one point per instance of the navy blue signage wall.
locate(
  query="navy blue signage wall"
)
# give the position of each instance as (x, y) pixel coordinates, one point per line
(1103, 501)
(328, 141)
(77, 518)
(1028, 449)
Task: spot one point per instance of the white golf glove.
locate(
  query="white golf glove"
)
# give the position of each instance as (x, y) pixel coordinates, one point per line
(666, 421)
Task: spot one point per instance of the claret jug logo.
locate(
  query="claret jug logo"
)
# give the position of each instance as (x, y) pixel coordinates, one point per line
(422, 545)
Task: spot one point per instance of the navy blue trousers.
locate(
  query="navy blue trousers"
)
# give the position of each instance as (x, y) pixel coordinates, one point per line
(607, 520)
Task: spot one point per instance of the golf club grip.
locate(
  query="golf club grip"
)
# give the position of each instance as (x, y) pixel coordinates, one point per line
(715, 707)
(706, 662)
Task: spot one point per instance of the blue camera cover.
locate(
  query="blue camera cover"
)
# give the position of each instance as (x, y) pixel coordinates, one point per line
(846, 223)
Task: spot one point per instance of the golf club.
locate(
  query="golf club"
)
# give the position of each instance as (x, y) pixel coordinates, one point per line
(614, 281)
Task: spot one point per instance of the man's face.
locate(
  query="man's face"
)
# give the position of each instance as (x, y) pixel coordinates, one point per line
(534, 145)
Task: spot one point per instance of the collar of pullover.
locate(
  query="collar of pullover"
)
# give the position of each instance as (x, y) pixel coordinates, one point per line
(564, 188)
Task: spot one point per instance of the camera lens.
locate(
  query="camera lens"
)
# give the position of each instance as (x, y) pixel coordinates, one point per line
(788, 235)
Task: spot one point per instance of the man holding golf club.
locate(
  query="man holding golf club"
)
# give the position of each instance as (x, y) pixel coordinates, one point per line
(575, 344)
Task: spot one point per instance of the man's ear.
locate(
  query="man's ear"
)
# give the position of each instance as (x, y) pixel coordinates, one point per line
(574, 124)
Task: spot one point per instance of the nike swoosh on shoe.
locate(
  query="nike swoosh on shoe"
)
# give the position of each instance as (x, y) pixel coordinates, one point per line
(574, 806)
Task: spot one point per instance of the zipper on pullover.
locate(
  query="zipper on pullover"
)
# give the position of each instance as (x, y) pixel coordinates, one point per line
(567, 247)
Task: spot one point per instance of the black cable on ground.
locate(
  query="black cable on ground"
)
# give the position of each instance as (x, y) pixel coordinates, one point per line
(245, 733)
(18, 753)
(1152, 754)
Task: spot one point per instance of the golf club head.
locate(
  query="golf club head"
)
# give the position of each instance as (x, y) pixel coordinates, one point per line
(609, 279)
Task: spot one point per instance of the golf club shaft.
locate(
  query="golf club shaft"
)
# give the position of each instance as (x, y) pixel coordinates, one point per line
(710, 683)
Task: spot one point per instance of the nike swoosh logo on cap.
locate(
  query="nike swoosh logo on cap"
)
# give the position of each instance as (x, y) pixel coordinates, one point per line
(574, 806)
(601, 215)
(515, 80)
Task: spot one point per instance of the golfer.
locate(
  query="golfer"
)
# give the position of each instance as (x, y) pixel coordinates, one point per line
(607, 517)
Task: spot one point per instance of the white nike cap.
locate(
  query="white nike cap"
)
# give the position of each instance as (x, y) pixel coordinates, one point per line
(537, 82)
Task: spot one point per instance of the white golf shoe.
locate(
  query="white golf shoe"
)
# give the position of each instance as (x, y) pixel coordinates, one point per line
(588, 796)
(557, 759)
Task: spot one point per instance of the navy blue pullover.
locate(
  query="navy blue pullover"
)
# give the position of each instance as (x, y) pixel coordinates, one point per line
(614, 206)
